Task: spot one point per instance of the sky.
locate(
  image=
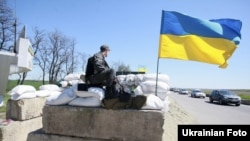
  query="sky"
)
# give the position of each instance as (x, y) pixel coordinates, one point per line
(132, 29)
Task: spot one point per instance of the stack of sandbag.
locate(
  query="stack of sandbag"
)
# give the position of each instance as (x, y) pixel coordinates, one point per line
(130, 81)
(28, 91)
(145, 84)
(149, 85)
(71, 79)
(22, 92)
(57, 95)
(91, 97)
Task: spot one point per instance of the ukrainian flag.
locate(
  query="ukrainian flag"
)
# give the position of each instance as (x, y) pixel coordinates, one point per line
(187, 38)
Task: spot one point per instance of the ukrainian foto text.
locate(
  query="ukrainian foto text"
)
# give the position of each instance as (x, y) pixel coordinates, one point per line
(211, 132)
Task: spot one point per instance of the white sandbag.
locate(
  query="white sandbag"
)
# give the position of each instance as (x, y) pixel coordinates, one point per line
(72, 76)
(99, 93)
(20, 89)
(162, 95)
(27, 95)
(153, 102)
(166, 103)
(130, 79)
(86, 101)
(127, 88)
(73, 82)
(92, 92)
(64, 84)
(121, 77)
(138, 79)
(149, 86)
(63, 98)
(50, 87)
(42, 93)
(138, 90)
(152, 77)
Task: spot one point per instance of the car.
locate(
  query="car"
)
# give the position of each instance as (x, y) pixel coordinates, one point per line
(225, 97)
(183, 91)
(197, 93)
(177, 90)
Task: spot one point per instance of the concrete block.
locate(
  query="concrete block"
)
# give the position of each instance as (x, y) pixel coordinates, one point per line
(39, 135)
(24, 109)
(126, 125)
(19, 130)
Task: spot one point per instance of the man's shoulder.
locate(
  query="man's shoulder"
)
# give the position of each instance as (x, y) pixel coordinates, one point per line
(98, 55)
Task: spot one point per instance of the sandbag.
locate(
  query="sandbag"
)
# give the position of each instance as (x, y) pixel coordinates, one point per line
(150, 85)
(62, 98)
(21, 89)
(152, 77)
(88, 91)
(42, 93)
(50, 87)
(130, 79)
(153, 102)
(26, 95)
(86, 102)
(72, 76)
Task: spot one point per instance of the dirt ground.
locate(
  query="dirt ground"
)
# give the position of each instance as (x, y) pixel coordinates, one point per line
(175, 115)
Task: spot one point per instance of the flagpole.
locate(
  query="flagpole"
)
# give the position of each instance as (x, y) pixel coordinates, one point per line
(157, 71)
(157, 76)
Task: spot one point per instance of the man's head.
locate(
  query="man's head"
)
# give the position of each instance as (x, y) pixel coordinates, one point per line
(104, 50)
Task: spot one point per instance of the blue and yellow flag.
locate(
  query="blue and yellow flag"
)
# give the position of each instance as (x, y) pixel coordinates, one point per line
(187, 38)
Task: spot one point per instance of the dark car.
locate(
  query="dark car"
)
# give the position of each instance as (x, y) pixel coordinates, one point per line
(225, 97)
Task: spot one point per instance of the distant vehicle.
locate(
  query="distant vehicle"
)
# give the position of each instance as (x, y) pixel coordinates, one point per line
(177, 90)
(225, 97)
(172, 89)
(183, 91)
(197, 93)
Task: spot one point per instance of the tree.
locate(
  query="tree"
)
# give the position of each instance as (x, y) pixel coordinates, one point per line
(121, 67)
(82, 61)
(40, 53)
(71, 58)
(7, 27)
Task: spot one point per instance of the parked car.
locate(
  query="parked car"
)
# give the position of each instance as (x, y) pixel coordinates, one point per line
(183, 91)
(197, 93)
(225, 97)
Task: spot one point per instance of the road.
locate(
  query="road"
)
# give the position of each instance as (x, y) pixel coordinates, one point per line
(212, 113)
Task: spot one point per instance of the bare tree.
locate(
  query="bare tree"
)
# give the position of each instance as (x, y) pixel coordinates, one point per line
(40, 52)
(71, 58)
(82, 61)
(7, 26)
(61, 58)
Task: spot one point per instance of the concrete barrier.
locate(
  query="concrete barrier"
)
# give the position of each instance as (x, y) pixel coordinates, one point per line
(24, 109)
(99, 123)
(19, 130)
(22, 117)
(39, 135)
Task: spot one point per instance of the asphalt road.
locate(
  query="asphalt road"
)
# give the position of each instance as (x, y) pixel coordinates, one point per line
(212, 113)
